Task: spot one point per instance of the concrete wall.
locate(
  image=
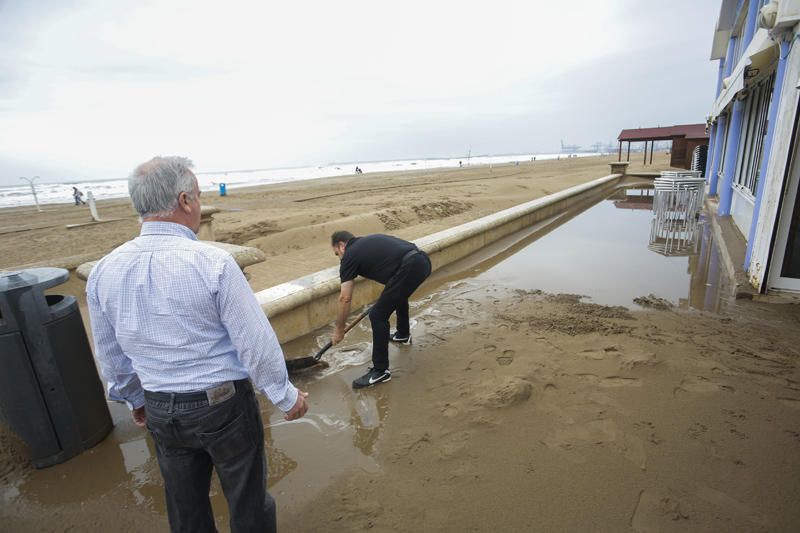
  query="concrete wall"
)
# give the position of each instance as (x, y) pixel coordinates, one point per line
(305, 304)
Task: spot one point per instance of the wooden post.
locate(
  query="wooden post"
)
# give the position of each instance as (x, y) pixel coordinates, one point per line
(620, 151)
(629, 151)
(652, 149)
(93, 207)
(645, 153)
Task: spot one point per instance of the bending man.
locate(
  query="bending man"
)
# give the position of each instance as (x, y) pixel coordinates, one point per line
(177, 332)
(397, 264)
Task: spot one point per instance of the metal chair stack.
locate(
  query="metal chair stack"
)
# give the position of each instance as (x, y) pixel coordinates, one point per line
(678, 200)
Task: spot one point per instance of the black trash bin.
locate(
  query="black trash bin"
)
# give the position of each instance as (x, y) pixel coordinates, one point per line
(50, 392)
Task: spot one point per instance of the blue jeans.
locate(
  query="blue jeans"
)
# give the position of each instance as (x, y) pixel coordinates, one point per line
(192, 437)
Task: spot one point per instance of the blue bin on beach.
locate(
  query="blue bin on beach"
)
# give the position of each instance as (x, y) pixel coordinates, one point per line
(223, 191)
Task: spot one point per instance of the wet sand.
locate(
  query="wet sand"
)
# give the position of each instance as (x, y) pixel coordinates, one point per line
(514, 410)
(526, 411)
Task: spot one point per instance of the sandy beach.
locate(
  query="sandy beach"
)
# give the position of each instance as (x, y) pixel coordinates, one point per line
(292, 222)
(514, 410)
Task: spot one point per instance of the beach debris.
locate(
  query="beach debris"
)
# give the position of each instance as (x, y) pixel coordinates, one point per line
(654, 302)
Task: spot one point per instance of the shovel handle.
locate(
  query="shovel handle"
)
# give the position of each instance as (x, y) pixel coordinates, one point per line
(348, 328)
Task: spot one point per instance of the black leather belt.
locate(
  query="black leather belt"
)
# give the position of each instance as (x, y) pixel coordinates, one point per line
(213, 396)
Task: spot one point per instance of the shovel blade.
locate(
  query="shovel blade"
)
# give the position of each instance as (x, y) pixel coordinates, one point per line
(301, 363)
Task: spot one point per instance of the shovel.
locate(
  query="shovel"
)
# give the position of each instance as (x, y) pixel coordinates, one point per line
(300, 363)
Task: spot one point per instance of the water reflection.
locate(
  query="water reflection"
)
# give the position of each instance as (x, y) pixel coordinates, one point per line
(124, 460)
(675, 226)
(367, 415)
(603, 253)
(633, 198)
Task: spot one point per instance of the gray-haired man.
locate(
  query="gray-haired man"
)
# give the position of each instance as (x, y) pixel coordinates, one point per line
(177, 332)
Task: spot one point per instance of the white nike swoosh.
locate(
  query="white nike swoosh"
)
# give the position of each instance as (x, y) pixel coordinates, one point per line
(373, 381)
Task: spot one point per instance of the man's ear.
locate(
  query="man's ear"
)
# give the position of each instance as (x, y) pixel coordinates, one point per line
(183, 202)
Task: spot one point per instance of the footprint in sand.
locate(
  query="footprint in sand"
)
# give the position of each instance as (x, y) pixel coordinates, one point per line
(601, 353)
(649, 428)
(453, 445)
(794, 403)
(594, 354)
(619, 381)
(610, 381)
(638, 360)
(702, 384)
(794, 434)
(697, 430)
(733, 430)
(735, 413)
(576, 437)
(450, 410)
(506, 358)
(408, 445)
(511, 391)
(660, 510)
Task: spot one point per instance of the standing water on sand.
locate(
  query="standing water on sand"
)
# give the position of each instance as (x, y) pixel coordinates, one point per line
(606, 254)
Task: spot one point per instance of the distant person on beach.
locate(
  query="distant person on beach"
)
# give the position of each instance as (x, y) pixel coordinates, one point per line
(177, 333)
(77, 195)
(459, 164)
(358, 171)
(393, 262)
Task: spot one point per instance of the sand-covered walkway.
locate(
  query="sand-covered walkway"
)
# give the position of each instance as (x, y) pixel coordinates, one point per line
(514, 410)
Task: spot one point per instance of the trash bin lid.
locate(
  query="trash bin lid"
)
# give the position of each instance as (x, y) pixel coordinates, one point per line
(41, 277)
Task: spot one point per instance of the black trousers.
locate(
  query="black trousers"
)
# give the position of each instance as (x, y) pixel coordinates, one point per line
(414, 269)
(192, 438)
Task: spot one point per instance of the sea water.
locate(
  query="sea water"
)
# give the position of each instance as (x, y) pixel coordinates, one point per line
(49, 193)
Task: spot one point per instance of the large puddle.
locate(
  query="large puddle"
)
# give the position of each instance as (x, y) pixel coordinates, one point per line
(604, 253)
(609, 255)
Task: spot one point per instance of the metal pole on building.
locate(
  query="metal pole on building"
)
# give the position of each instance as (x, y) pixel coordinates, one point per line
(731, 151)
(652, 149)
(33, 190)
(713, 182)
(710, 152)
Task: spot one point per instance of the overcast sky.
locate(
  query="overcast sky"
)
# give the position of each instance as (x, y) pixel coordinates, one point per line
(88, 89)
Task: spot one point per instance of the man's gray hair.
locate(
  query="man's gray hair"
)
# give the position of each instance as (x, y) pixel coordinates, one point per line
(155, 185)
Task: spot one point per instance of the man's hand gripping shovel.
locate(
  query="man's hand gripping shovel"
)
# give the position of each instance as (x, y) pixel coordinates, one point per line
(301, 363)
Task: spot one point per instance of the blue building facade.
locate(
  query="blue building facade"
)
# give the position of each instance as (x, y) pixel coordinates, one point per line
(754, 160)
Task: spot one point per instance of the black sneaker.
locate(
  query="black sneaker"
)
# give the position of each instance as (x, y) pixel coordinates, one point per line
(372, 377)
(400, 339)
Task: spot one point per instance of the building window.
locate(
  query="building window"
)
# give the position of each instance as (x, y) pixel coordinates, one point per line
(737, 51)
(754, 130)
(724, 146)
